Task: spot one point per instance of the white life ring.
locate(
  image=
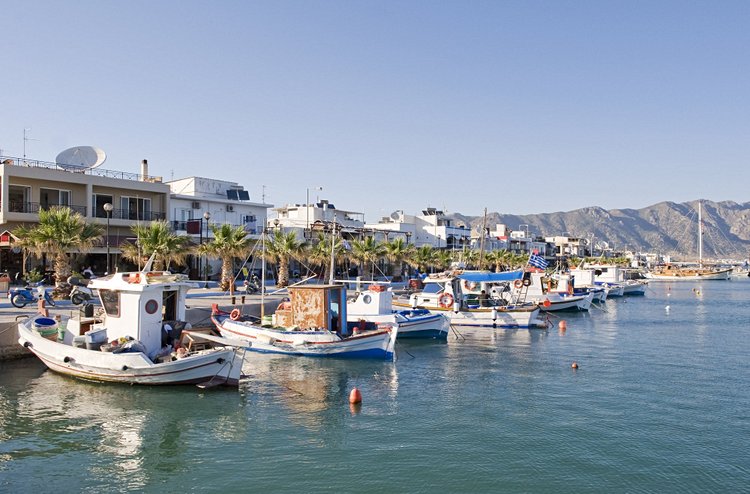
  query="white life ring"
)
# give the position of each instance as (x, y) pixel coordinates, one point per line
(446, 300)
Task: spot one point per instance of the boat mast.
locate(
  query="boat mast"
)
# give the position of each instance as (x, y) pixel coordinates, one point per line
(263, 273)
(481, 239)
(700, 237)
(333, 250)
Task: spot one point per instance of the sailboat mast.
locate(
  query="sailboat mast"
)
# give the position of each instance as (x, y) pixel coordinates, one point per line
(481, 241)
(333, 250)
(263, 274)
(700, 236)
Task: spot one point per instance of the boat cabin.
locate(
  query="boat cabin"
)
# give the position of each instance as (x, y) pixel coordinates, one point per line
(137, 305)
(376, 300)
(314, 307)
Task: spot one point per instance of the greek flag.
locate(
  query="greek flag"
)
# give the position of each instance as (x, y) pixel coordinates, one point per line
(538, 261)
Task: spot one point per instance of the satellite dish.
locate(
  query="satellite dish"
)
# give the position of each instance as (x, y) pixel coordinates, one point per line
(80, 158)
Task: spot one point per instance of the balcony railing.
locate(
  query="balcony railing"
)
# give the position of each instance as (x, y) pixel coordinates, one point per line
(35, 207)
(99, 172)
(117, 214)
(132, 214)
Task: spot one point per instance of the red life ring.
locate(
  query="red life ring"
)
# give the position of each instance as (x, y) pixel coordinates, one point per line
(518, 283)
(446, 300)
(235, 314)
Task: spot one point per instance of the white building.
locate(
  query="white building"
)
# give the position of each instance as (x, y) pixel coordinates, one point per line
(196, 203)
(210, 201)
(308, 219)
(431, 228)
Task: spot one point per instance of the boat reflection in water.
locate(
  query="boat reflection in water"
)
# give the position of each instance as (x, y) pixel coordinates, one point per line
(105, 435)
(309, 388)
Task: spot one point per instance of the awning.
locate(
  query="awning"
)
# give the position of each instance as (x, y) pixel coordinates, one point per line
(492, 277)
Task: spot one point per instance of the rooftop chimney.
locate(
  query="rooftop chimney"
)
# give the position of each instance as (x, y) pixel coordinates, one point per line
(144, 170)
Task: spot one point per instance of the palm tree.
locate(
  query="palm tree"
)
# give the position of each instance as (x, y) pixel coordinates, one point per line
(396, 252)
(442, 259)
(422, 258)
(367, 251)
(156, 237)
(228, 242)
(60, 230)
(281, 248)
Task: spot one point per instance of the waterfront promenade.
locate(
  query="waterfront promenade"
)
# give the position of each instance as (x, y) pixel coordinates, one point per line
(199, 305)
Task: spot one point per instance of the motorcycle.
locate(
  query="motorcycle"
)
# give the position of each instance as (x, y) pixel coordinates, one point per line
(252, 285)
(20, 297)
(80, 293)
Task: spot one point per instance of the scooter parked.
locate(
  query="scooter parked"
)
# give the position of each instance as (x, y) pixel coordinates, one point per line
(252, 285)
(20, 297)
(80, 293)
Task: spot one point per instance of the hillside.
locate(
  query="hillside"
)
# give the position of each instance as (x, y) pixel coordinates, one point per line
(665, 228)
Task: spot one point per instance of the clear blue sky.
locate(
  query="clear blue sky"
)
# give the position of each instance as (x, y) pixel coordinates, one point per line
(516, 106)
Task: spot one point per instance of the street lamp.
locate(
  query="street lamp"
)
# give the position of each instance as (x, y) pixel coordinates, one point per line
(207, 217)
(108, 208)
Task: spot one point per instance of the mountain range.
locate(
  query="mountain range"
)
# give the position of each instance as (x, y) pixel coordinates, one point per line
(666, 228)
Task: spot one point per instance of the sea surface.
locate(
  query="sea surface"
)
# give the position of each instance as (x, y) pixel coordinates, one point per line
(660, 403)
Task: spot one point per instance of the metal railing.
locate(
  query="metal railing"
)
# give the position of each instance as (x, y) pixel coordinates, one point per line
(132, 214)
(99, 172)
(35, 207)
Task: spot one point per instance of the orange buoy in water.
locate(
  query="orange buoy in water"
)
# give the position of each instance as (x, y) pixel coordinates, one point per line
(574, 365)
(355, 396)
(562, 325)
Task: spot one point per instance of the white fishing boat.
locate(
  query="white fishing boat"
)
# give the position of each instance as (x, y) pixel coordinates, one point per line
(459, 296)
(312, 323)
(376, 305)
(612, 278)
(673, 272)
(551, 293)
(133, 340)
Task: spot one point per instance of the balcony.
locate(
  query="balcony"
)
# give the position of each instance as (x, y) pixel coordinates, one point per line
(133, 215)
(35, 207)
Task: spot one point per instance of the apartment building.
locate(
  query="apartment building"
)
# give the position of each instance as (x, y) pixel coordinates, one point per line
(115, 199)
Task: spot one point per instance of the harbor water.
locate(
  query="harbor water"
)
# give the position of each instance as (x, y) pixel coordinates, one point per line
(660, 402)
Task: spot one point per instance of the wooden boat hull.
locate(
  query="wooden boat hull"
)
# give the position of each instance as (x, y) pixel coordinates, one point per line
(369, 344)
(689, 275)
(216, 366)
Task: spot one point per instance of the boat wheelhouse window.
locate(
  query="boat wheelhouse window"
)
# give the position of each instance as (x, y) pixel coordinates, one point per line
(433, 288)
(111, 302)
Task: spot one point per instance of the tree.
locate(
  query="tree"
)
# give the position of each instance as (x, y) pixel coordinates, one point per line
(281, 248)
(396, 252)
(60, 230)
(228, 242)
(156, 237)
(367, 251)
(422, 258)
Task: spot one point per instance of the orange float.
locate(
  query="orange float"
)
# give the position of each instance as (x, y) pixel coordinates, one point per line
(355, 396)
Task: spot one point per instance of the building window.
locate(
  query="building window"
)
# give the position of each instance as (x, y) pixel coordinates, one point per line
(99, 201)
(135, 208)
(18, 199)
(53, 197)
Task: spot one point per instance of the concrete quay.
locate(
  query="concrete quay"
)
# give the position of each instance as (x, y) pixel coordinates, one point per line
(198, 314)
